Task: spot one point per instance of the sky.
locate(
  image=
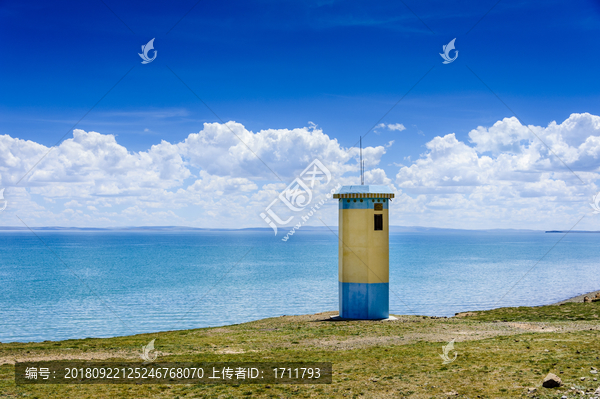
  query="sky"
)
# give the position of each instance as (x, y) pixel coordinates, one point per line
(243, 95)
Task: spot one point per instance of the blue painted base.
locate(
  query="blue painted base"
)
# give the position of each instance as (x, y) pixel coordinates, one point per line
(364, 301)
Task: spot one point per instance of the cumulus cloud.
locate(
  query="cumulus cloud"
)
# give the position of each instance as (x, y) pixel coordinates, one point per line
(509, 172)
(230, 149)
(224, 171)
(503, 175)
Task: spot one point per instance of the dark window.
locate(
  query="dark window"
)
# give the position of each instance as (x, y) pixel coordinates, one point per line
(378, 222)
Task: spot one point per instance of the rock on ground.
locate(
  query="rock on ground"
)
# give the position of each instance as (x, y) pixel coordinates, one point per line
(552, 381)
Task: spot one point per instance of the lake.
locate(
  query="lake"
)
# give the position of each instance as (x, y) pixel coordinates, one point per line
(111, 283)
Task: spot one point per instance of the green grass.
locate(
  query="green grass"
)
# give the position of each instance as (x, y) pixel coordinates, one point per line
(501, 353)
(565, 312)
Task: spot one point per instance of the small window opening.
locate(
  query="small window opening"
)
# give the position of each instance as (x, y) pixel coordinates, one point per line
(378, 222)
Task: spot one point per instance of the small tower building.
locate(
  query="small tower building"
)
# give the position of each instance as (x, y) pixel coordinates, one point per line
(363, 263)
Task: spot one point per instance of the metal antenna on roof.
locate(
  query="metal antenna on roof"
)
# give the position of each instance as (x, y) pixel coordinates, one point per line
(362, 166)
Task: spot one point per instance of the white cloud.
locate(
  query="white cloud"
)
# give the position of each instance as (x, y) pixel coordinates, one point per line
(217, 150)
(396, 126)
(503, 176)
(218, 185)
(376, 176)
(211, 174)
(507, 177)
(392, 126)
(72, 204)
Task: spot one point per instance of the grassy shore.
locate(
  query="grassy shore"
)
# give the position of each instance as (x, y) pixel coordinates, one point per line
(501, 354)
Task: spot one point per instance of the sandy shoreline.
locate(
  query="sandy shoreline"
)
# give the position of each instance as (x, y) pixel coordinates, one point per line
(578, 298)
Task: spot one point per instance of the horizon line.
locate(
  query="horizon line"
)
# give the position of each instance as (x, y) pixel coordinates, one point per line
(13, 228)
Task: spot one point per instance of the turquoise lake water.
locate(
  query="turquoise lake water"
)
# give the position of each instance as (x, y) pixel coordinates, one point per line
(104, 284)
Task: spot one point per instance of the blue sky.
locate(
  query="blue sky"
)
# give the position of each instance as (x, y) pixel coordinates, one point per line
(275, 64)
(341, 65)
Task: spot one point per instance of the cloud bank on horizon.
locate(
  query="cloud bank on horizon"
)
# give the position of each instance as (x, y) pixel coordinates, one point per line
(503, 177)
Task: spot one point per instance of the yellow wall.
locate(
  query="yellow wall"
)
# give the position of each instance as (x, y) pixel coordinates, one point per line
(363, 251)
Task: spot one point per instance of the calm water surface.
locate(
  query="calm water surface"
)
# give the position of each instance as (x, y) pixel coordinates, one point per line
(104, 284)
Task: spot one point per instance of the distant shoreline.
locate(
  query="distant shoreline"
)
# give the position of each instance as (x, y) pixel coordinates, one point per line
(571, 231)
(393, 229)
